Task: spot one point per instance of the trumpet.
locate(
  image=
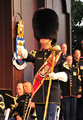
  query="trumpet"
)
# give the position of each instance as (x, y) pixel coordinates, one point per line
(27, 115)
(27, 111)
(14, 98)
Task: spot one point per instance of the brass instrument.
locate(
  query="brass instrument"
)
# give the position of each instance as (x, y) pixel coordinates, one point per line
(28, 108)
(15, 103)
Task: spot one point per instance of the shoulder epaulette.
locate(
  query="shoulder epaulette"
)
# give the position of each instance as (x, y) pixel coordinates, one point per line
(2, 99)
(2, 104)
(79, 77)
(33, 52)
(74, 66)
(80, 89)
(65, 65)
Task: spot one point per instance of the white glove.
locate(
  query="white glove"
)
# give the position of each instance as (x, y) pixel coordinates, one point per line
(53, 76)
(24, 53)
(62, 76)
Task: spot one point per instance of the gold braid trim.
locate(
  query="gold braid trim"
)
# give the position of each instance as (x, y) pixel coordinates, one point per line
(79, 77)
(2, 105)
(33, 53)
(65, 65)
(80, 89)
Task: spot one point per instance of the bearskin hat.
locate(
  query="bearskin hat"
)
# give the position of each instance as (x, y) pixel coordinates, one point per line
(45, 24)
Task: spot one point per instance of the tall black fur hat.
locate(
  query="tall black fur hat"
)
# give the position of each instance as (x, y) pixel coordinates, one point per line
(45, 24)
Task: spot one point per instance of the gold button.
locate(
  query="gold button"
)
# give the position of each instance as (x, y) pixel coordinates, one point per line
(45, 53)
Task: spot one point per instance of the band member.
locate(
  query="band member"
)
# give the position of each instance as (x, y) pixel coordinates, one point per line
(71, 90)
(25, 107)
(45, 24)
(78, 63)
(19, 92)
(2, 107)
(64, 48)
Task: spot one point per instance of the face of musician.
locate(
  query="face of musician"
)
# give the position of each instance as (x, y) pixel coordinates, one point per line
(64, 48)
(77, 55)
(27, 87)
(69, 60)
(19, 89)
(45, 43)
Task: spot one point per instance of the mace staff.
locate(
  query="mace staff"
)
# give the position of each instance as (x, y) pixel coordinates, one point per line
(50, 81)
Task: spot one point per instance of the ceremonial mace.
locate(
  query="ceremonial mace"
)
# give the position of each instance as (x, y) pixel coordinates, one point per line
(53, 49)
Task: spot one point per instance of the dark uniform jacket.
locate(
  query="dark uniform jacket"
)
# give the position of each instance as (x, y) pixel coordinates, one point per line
(2, 107)
(22, 105)
(79, 65)
(37, 58)
(72, 87)
(12, 110)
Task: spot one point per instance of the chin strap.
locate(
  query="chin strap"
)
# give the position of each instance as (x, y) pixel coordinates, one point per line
(46, 42)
